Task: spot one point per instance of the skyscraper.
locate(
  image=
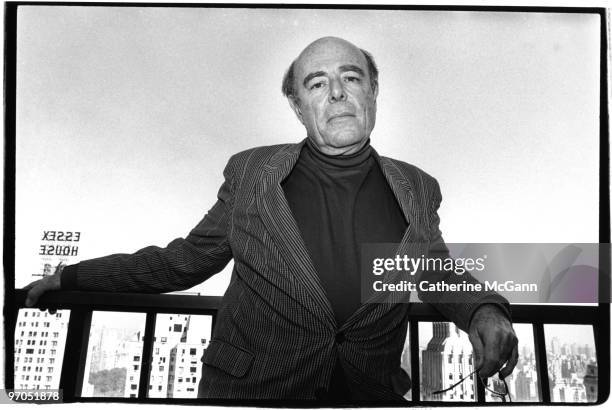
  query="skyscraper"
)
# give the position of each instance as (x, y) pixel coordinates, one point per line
(445, 361)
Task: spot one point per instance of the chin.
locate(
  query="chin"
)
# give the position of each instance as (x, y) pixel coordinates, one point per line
(345, 139)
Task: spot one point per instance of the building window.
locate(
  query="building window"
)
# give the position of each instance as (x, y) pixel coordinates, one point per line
(134, 386)
(193, 369)
(178, 328)
(136, 358)
(192, 351)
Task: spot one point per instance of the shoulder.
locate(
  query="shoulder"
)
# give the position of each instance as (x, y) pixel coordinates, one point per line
(255, 158)
(258, 156)
(413, 174)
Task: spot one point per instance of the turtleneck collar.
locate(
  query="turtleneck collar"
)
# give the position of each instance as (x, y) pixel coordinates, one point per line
(340, 161)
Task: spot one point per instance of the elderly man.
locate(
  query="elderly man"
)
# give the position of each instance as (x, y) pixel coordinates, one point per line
(291, 324)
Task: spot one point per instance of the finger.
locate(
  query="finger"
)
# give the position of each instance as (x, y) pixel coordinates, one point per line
(478, 349)
(34, 294)
(493, 358)
(509, 367)
(498, 350)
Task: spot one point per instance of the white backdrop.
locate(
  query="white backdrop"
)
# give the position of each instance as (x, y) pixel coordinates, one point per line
(127, 116)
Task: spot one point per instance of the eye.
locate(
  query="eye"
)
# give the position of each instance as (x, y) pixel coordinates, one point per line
(352, 79)
(317, 85)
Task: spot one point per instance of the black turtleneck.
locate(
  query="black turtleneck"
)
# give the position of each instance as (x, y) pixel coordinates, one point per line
(340, 202)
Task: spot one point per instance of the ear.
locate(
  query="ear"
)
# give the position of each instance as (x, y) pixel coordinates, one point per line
(296, 108)
(375, 91)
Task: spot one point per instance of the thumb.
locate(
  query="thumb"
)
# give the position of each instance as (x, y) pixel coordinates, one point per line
(35, 292)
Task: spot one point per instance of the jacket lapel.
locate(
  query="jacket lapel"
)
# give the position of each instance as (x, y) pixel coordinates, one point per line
(279, 221)
(404, 194)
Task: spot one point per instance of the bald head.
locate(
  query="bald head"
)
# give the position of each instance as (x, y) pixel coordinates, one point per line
(332, 87)
(289, 87)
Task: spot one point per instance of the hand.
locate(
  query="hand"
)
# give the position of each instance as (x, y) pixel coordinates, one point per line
(494, 342)
(39, 287)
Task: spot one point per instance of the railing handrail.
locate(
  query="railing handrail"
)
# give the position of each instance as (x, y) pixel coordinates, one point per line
(100, 300)
(570, 314)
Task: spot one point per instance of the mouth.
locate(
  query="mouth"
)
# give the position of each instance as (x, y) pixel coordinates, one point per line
(340, 116)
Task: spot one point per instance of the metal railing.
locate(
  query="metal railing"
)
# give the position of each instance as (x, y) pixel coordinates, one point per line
(83, 304)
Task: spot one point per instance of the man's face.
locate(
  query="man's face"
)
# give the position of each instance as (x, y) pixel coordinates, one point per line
(335, 101)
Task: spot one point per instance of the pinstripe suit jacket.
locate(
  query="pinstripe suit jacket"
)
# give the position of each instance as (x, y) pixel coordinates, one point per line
(276, 336)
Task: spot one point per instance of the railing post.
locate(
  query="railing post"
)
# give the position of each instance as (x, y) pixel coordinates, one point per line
(480, 390)
(541, 362)
(75, 354)
(147, 354)
(415, 363)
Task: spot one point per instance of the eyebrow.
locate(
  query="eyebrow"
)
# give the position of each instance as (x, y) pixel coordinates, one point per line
(343, 68)
(313, 75)
(351, 67)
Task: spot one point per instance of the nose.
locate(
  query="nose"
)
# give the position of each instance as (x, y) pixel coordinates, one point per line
(336, 91)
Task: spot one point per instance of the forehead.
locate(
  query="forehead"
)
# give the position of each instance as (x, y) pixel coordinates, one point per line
(328, 55)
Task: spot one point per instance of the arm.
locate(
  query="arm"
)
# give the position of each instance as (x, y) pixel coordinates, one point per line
(485, 315)
(183, 263)
(458, 307)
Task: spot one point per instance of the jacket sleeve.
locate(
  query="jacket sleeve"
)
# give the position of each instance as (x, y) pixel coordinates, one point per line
(182, 264)
(456, 306)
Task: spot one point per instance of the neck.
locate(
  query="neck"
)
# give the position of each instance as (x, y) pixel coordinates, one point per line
(341, 151)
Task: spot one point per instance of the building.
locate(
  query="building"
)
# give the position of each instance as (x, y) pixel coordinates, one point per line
(40, 339)
(445, 361)
(185, 358)
(590, 382)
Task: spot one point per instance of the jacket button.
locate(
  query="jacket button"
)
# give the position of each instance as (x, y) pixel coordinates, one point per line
(340, 337)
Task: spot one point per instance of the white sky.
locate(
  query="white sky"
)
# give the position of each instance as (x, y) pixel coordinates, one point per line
(126, 117)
